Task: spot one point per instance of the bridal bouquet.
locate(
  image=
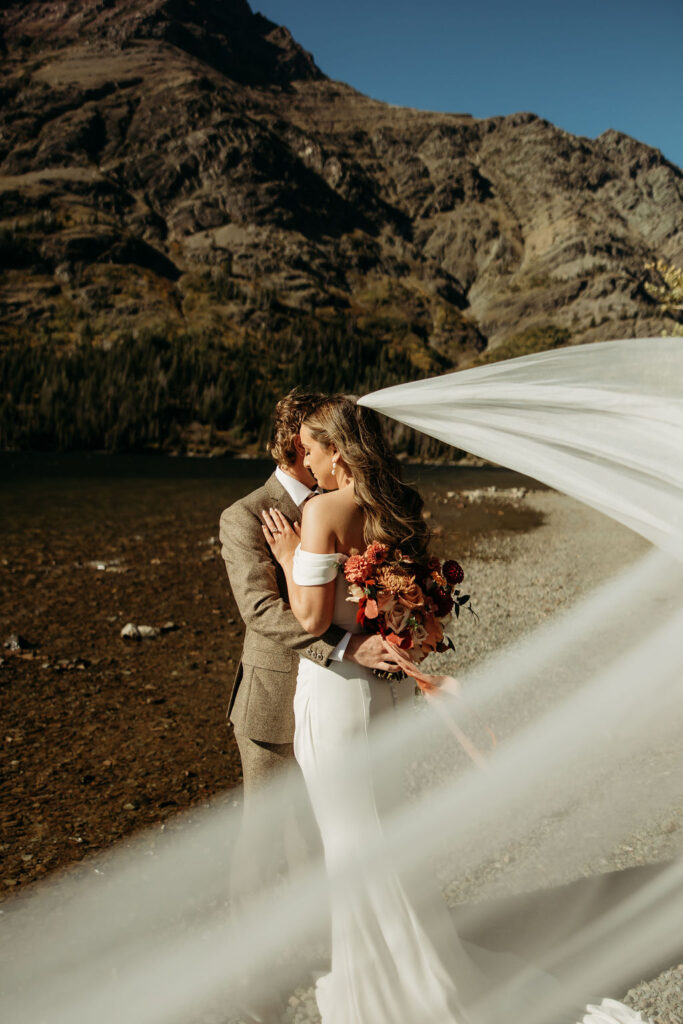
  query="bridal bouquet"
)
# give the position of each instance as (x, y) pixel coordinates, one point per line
(409, 604)
(406, 602)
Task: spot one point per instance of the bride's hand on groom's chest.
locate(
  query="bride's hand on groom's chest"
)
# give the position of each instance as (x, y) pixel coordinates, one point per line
(281, 535)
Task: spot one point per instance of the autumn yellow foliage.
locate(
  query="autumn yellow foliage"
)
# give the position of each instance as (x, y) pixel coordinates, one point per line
(668, 291)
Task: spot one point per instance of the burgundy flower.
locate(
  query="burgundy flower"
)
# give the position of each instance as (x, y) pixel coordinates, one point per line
(420, 572)
(444, 604)
(453, 572)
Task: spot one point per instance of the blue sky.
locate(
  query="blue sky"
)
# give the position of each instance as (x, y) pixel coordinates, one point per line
(585, 65)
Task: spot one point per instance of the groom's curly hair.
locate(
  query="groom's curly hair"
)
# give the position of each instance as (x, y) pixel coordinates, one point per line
(290, 412)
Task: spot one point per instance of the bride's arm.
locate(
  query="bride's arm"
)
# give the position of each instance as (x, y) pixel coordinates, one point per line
(312, 605)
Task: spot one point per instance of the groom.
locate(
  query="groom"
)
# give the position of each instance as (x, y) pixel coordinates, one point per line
(261, 703)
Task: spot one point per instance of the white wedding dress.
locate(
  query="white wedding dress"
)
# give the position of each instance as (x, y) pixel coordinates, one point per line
(396, 956)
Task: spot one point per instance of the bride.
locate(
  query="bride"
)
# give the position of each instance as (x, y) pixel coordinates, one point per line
(396, 956)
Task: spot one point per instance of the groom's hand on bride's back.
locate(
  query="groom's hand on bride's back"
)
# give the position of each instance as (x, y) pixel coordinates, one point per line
(370, 652)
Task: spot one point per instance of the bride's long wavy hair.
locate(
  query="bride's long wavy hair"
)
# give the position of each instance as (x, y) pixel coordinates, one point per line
(392, 508)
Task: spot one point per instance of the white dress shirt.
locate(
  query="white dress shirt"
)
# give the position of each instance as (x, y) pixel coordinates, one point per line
(300, 493)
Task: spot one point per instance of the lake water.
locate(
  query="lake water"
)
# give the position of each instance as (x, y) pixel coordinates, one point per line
(39, 488)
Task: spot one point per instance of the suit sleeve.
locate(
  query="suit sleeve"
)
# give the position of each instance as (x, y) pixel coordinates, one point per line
(254, 583)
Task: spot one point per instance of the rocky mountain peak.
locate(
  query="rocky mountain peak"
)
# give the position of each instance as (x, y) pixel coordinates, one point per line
(225, 34)
(190, 206)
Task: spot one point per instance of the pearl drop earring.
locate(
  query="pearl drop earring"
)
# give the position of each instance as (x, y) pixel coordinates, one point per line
(334, 467)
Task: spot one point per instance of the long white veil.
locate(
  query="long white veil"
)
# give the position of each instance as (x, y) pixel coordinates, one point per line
(602, 423)
(588, 714)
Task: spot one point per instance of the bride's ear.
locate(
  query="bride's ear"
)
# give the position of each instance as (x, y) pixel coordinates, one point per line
(334, 454)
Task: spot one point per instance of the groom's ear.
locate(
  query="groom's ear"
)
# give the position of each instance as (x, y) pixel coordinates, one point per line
(298, 446)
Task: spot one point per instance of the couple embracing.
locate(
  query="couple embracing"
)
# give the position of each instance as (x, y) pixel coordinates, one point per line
(259, 563)
(306, 687)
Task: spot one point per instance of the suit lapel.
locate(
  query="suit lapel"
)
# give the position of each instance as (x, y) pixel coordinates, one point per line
(281, 499)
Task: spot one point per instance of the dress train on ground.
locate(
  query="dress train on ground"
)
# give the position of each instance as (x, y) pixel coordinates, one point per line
(396, 956)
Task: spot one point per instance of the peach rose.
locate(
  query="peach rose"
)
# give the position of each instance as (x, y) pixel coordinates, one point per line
(411, 596)
(397, 619)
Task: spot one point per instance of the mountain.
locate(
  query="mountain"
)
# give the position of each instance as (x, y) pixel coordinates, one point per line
(193, 216)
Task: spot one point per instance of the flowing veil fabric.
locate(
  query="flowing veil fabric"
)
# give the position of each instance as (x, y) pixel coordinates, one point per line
(589, 715)
(601, 422)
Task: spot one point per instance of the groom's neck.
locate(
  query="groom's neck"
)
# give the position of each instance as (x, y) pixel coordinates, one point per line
(299, 472)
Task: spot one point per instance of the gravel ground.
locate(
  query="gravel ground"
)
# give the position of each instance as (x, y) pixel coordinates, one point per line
(519, 580)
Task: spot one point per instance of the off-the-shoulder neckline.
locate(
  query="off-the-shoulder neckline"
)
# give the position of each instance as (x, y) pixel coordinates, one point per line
(335, 555)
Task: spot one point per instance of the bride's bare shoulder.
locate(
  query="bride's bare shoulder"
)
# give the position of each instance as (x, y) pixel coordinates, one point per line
(322, 507)
(324, 518)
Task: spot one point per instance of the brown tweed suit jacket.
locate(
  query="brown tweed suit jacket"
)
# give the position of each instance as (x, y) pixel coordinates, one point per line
(261, 702)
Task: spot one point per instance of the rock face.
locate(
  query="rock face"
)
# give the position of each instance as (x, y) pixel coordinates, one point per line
(225, 34)
(183, 166)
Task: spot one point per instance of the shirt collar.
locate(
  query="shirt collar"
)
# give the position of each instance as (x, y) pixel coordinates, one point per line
(297, 491)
